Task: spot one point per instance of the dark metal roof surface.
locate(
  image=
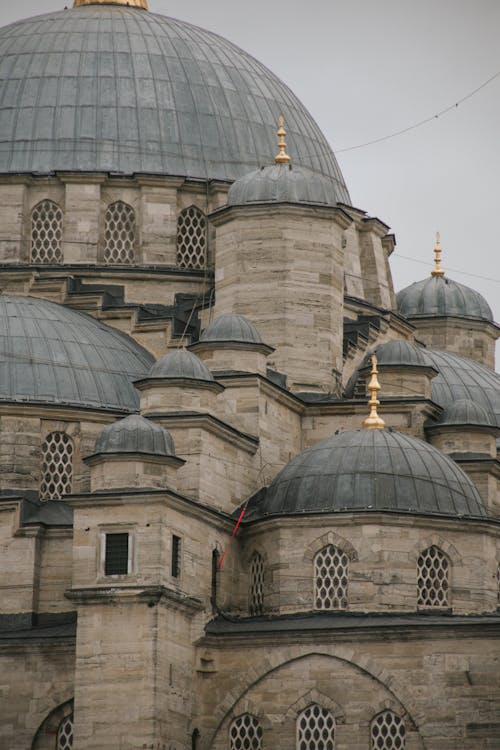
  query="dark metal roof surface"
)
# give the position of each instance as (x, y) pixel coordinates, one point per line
(181, 364)
(53, 355)
(231, 327)
(439, 296)
(461, 378)
(284, 183)
(135, 434)
(363, 470)
(115, 89)
(465, 411)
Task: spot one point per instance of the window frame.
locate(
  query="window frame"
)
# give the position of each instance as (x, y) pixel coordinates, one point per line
(106, 530)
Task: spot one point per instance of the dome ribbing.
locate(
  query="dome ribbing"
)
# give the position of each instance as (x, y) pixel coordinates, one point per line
(135, 434)
(116, 89)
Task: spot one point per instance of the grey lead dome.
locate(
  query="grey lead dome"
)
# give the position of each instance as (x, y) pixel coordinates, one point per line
(135, 434)
(284, 183)
(181, 364)
(231, 327)
(439, 296)
(50, 354)
(116, 89)
(364, 470)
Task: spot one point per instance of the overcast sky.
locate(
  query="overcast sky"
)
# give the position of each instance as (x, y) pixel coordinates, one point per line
(365, 69)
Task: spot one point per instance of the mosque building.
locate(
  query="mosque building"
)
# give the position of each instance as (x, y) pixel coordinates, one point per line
(249, 496)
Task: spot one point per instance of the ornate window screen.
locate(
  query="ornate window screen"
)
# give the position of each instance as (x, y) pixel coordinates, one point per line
(57, 466)
(256, 584)
(245, 733)
(46, 233)
(387, 732)
(65, 734)
(192, 238)
(316, 729)
(119, 234)
(331, 578)
(433, 574)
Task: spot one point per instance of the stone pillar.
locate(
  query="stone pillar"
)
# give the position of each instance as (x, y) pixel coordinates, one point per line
(81, 217)
(282, 266)
(159, 220)
(14, 221)
(376, 247)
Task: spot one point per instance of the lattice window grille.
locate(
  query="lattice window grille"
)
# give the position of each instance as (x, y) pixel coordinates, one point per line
(46, 233)
(256, 584)
(245, 733)
(316, 729)
(433, 573)
(119, 234)
(65, 734)
(57, 468)
(387, 732)
(191, 238)
(331, 575)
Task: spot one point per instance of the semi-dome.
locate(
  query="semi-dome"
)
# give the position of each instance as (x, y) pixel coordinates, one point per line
(50, 354)
(231, 327)
(439, 297)
(461, 378)
(135, 434)
(371, 470)
(464, 411)
(181, 364)
(106, 87)
(284, 183)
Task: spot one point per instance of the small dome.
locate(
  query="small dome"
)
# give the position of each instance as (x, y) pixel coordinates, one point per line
(362, 470)
(284, 183)
(440, 297)
(181, 364)
(134, 434)
(465, 411)
(401, 353)
(231, 328)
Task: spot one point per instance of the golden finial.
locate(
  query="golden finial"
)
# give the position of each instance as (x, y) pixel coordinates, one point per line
(131, 3)
(437, 271)
(374, 422)
(282, 157)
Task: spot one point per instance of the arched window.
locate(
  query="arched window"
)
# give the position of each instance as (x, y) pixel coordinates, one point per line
(65, 734)
(331, 578)
(315, 729)
(119, 233)
(46, 233)
(245, 733)
(57, 466)
(192, 238)
(387, 732)
(433, 578)
(256, 598)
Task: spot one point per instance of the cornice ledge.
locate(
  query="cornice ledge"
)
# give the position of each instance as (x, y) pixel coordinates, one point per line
(150, 595)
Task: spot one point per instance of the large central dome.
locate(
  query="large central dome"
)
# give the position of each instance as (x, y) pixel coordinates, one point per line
(117, 89)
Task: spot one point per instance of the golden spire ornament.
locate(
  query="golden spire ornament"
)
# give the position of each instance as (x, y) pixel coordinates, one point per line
(131, 3)
(437, 271)
(374, 422)
(282, 157)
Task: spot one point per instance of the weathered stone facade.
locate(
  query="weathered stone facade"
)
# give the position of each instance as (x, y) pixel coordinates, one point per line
(133, 613)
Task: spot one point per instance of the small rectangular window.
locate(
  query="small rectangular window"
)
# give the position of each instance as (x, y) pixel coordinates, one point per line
(116, 561)
(176, 556)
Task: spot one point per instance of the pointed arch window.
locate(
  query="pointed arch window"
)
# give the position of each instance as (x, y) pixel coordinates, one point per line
(433, 586)
(119, 234)
(387, 732)
(316, 729)
(245, 733)
(46, 233)
(65, 734)
(192, 238)
(256, 598)
(57, 466)
(331, 578)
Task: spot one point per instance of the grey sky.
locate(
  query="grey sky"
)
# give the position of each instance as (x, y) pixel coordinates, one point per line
(366, 69)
